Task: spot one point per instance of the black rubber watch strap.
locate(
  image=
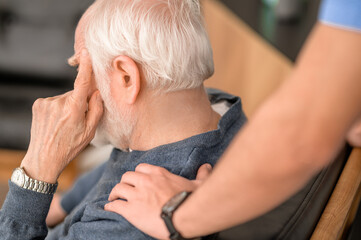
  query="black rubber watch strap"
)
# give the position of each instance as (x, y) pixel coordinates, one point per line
(167, 214)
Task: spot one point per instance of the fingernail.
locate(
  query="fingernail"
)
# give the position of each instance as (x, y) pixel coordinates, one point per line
(209, 166)
(84, 52)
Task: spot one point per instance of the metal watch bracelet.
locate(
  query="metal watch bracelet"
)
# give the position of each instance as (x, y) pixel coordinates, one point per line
(20, 178)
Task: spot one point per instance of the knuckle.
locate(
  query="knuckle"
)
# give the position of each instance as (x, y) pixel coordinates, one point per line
(141, 166)
(115, 190)
(160, 170)
(80, 81)
(108, 207)
(145, 179)
(125, 176)
(71, 100)
(77, 81)
(92, 133)
(37, 104)
(90, 130)
(118, 186)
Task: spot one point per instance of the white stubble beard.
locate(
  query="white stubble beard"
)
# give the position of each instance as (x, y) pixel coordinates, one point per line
(115, 127)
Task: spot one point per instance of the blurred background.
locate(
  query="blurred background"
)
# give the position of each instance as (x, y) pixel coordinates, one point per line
(255, 43)
(36, 38)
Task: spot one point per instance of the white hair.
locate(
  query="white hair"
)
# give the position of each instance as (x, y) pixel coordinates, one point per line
(167, 39)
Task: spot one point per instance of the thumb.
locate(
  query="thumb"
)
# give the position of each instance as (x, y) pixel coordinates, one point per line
(204, 171)
(95, 111)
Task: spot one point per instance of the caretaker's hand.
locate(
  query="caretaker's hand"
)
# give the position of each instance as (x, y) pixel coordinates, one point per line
(146, 190)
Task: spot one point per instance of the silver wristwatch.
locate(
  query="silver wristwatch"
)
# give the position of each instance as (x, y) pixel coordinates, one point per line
(20, 178)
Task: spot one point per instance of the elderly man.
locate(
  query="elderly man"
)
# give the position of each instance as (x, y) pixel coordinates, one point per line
(149, 61)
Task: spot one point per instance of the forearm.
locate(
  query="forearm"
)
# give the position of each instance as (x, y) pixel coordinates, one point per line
(296, 133)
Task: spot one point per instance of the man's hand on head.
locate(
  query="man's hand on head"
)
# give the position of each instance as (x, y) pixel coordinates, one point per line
(63, 126)
(146, 190)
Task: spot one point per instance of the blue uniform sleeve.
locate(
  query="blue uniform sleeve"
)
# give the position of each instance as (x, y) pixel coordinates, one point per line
(81, 188)
(345, 14)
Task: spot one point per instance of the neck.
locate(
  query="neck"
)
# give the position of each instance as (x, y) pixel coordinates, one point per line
(172, 117)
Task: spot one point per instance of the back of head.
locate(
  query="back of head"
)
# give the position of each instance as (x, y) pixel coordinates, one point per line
(166, 38)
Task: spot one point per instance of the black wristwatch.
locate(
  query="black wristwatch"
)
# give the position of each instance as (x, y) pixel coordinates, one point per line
(167, 214)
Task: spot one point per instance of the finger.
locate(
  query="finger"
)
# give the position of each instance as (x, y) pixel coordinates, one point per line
(204, 171)
(95, 112)
(121, 190)
(117, 206)
(149, 169)
(132, 178)
(83, 81)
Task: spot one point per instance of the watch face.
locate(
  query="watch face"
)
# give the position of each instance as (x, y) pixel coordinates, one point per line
(18, 177)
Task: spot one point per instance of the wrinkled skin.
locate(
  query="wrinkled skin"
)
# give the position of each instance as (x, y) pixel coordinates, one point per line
(63, 126)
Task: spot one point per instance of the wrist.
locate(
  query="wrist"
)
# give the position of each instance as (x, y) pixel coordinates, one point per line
(20, 178)
(168, 211)
(39, 172)
(180, 222)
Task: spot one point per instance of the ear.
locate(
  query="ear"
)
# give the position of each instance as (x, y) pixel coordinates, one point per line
(127, 75)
